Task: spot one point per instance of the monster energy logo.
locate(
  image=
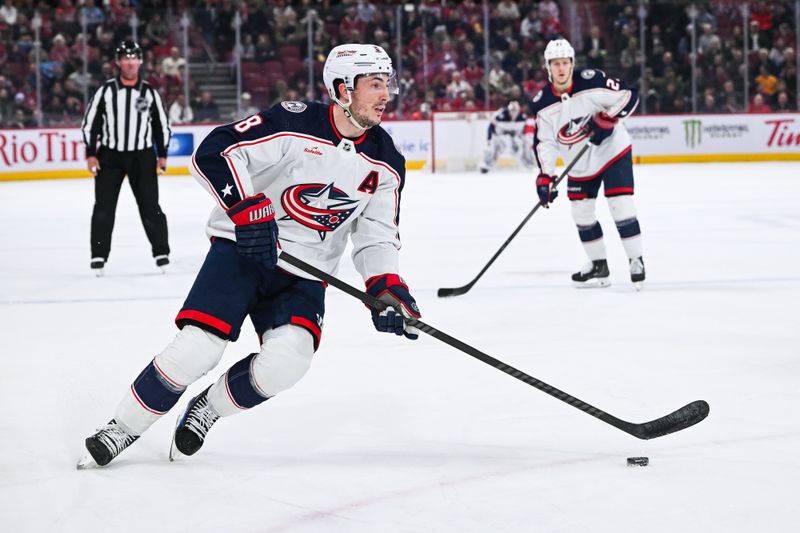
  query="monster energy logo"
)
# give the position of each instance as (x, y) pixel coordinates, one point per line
(693, 131)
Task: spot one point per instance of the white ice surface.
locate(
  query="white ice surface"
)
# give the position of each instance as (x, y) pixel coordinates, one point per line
(386, 435)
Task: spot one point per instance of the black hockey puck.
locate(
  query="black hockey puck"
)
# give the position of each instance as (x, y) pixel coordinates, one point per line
(638, 461)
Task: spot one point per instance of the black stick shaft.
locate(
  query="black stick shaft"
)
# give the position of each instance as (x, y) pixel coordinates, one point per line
(680, 419)
(461, 290)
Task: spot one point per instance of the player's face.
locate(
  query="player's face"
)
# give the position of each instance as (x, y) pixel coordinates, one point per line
(561, 70)
(370, 97)
(129, 67)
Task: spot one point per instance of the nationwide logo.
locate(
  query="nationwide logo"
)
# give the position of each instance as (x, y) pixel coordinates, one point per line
(317, 206)
(313, 150)
(650, 133)
(345, 53)
(693, 132)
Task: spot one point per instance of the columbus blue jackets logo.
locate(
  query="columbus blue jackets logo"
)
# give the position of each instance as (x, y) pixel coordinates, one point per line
(573, 131)
(317, 206)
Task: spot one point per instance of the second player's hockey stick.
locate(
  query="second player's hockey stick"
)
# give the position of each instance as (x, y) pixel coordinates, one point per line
(685, 417)
(463, 289)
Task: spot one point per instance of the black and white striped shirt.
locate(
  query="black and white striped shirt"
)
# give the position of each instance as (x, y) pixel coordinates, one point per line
(126, 118)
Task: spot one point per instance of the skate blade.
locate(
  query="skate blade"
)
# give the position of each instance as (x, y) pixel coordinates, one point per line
(638, 285)
(86, 462)
(99, 272)
(174, 452)
(596, 283)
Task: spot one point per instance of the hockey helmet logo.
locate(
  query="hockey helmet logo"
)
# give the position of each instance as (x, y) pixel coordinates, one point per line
(294, 106)
(317, 206)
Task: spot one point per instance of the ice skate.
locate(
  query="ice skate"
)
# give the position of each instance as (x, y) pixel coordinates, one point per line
(193, 426)
(97, 264)
(105, 445)
(161, 262)
(637, 272)
(594, 274)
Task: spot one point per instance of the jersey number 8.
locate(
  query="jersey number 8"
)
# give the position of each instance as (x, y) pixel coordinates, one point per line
(247, 123)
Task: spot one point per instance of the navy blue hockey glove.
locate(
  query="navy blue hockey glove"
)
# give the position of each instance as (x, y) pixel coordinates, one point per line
(601, 126)
(392, 290)
(545, 188)
(256, 229)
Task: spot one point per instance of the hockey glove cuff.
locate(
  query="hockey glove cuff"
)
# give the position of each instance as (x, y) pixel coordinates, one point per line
(256, 229)
(545, 188)
(392, 290)
(601, 127)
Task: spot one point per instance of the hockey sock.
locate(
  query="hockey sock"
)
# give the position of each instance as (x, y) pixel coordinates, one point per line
(592, 240)
(150, 396)
(235, 390)
(631, 236)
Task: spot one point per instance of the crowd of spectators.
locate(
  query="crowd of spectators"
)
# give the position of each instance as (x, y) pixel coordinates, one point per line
(727, 54)
(443, 51)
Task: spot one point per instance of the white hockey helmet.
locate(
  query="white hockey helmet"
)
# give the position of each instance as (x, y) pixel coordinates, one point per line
(558, 49)
(513, 109)
(348, 61)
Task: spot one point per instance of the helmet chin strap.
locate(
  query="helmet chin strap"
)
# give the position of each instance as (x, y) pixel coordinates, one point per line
(346, 109)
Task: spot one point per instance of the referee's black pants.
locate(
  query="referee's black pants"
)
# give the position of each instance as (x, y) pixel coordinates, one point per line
(140, 167)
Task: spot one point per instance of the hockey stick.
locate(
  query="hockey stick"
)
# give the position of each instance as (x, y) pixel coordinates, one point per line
(442, 293)
(683, 418)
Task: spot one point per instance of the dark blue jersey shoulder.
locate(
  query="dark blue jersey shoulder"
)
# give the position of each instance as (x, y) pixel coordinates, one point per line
(504, 115)
(312, 119)
(544, 98)
(590, 78)
(316, 119)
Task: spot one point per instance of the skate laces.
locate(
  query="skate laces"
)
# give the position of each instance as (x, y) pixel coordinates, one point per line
(637, 267)
(113, 437)
(201, 417)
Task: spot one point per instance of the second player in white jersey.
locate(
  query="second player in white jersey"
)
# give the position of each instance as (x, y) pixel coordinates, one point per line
(579, 107)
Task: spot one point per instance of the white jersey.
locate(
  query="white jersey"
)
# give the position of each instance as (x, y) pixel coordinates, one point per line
(560, 122)
(324, 187)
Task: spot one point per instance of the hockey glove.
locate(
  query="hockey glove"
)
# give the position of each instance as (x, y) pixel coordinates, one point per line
(256, 229)
(392, 290)
(601, 127)
(545, 189)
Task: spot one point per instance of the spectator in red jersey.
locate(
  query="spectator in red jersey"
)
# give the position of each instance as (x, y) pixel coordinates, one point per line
(60, 51)
(473, 73)
(758, 105)
(352, 23)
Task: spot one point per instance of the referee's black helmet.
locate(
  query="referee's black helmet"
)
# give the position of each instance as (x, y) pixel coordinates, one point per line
(129, 49)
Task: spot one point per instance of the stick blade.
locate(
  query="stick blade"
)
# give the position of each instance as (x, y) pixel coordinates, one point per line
(685, 417)
(457, 291)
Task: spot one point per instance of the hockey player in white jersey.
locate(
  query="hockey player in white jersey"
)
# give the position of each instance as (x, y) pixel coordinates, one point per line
(580, 106)
(300, 177)
(507, 133)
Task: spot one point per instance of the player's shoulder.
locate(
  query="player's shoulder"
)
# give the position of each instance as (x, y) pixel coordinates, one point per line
(381, 146)
(294, 115)
(588, 78)
(544, 98)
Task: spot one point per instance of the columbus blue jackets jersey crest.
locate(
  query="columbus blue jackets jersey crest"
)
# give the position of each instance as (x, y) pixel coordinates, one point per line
(325, 187)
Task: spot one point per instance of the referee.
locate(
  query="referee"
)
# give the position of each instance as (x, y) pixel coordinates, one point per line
(126, 118)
